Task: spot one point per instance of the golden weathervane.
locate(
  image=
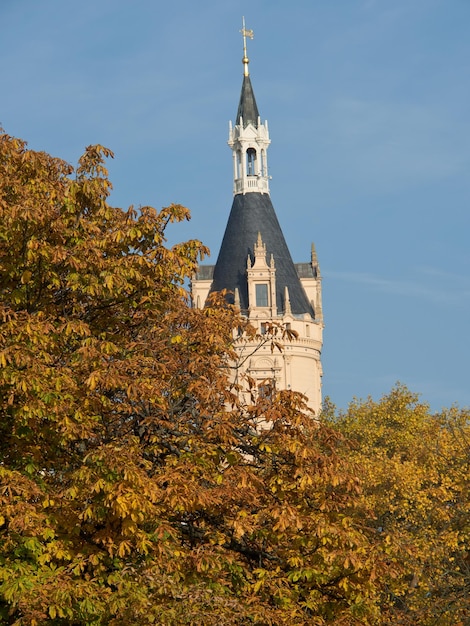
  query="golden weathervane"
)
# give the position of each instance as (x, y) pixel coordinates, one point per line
(246, 33)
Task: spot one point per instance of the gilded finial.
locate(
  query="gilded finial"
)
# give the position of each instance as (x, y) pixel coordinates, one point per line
(246, 33)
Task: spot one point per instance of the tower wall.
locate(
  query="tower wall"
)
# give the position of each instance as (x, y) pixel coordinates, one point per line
(297, 367)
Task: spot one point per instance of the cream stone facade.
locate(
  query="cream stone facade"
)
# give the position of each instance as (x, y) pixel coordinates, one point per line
(255, 265)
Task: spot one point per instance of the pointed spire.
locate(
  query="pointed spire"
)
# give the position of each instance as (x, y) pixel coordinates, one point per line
(259, 250)
(250, 164)
(237, 298)
(247, 112)
(317, 304)
(287, 306)
(314, 262)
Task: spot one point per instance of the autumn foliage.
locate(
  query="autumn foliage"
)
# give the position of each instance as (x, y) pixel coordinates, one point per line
(138, 486)
(415, 477)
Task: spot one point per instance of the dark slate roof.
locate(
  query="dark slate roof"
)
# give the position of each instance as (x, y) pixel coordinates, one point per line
(205, 272)
(251, 214)
(247, 106)
(305, 270)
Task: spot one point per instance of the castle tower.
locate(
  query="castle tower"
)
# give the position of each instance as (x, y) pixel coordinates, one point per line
(255, 264)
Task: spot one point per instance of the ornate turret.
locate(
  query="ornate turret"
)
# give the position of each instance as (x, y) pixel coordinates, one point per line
(249, 138)
(254, 263)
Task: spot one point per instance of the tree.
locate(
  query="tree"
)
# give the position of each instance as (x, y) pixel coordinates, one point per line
(415, 470)
(136, 486)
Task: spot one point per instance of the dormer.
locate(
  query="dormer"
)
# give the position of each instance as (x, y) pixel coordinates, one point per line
(261, 279)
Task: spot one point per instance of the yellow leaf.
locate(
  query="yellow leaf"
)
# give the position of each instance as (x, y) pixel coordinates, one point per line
(26, 277)
(92, 379)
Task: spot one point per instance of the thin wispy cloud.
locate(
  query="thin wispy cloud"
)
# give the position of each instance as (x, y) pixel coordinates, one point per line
(450, 288)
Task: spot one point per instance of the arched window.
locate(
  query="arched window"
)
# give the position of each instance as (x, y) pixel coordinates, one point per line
(239, 164)
(251, 162)
(263, 163)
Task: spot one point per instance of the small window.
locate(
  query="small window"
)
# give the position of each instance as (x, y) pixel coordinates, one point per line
(266, 389)
(250, 162)
(263, 328)
(239, 164)
(263, 163)
(261, 294)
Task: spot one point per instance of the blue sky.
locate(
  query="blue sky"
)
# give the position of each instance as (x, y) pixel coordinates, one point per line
(368, 109)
